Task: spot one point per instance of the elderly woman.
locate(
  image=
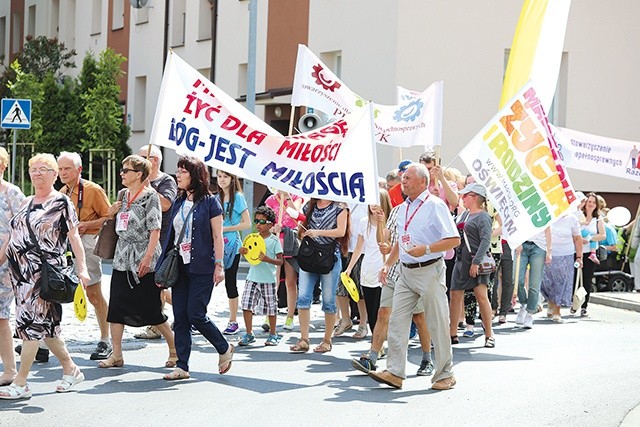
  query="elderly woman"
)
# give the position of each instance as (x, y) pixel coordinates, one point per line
(53, 219)
(557, 280)
(201, 265)
(135, 299)
(10, 199)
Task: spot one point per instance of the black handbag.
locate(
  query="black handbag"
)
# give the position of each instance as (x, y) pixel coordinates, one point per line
(57, 283)
(314, 257)
(167, 273)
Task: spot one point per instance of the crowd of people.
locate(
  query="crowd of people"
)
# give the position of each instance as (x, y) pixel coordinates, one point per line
(428, 259)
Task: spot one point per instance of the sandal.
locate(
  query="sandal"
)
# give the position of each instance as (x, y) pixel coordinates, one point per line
(490, 342)
(302, 346)
(341, 328)
(224, 363)
(177, 374)
(69, 381)
(455, 340)
(14, 392)
(111, 362)
(361, 333)
(324, 347)
(172, 361)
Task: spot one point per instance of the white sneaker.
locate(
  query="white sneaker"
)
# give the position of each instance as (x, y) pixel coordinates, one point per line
(528, 321)
(521, 314)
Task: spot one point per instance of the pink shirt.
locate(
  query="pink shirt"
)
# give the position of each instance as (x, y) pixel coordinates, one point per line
(274, 203)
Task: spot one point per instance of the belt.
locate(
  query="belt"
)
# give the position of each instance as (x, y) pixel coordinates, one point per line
(421, 264)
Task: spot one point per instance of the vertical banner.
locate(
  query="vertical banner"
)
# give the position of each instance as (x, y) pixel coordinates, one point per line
(195, 117)
(536, 50)
(516, 158)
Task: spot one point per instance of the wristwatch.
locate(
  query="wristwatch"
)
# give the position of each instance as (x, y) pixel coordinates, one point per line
(427, 250)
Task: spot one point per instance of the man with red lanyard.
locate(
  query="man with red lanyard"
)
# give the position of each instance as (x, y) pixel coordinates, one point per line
(92, 207)
(426, 231)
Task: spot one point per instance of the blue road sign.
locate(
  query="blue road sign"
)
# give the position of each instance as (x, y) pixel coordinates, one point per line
(16, 114)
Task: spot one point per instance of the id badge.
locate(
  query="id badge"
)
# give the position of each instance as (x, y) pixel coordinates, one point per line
(405, 242)
(122, 221)
(185, 252)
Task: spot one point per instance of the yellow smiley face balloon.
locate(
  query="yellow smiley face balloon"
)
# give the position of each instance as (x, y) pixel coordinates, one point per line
(350, 286)
(254, 244)
(80, 303)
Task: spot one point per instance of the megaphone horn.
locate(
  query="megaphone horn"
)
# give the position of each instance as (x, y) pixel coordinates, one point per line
(309, 122)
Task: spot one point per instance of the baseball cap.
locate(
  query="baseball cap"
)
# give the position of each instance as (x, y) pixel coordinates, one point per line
(402, 166)
(474, 187)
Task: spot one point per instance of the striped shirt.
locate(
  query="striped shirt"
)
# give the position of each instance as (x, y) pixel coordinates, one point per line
(325, 219)
(393, 273)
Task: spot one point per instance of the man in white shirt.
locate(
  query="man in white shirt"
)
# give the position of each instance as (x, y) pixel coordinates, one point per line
(426, 231)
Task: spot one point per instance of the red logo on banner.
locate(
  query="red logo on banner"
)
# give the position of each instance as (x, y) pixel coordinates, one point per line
(321, 80)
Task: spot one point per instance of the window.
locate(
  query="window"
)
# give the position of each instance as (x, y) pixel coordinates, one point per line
(139, 107)
(55, 19)
(3, 36)
(333, 61)
(242, 79)
(96, 17)
(117, 15)
(31, 23)
(178, 23)
(557, 113)
(204, 20)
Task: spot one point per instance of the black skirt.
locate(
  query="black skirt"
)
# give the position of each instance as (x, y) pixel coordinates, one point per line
(134, 304)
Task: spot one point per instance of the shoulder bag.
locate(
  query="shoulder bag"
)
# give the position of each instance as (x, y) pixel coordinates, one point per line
(107, 237)
(487, 263)
(166, 275)
(580, 293)
(314, 257)
(57, 284)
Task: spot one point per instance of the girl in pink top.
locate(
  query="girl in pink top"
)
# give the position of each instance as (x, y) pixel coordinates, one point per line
(279, 202)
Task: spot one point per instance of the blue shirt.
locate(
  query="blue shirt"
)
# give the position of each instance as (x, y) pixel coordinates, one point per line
(239, 206)
(202, 252)
(429, 221)
(265, 272)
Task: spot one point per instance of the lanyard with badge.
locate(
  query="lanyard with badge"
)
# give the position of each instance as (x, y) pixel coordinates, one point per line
(122, 219)
(185, 246)
(405, 239)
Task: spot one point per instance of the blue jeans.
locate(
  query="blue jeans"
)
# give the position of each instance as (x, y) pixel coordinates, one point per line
(191, 295)
(328, 282)
(533, 256)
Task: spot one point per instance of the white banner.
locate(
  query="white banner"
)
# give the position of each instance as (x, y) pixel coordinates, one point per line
(195, 117)
(516, 158)
(415, 120)
(593, 153)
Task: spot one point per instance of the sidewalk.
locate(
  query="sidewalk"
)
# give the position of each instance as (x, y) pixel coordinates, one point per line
(624, 300)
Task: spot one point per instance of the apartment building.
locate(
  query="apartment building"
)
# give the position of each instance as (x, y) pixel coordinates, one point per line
(373, 45)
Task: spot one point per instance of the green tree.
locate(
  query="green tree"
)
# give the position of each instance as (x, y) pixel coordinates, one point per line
(102, 113)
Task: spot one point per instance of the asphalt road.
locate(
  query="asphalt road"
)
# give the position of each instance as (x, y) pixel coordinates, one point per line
(583, 372)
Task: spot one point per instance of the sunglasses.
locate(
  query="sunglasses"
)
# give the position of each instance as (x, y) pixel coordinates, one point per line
(261, 221)
(127, 170)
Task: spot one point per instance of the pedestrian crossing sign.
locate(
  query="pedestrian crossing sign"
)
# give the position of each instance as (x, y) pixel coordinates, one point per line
(16, 114)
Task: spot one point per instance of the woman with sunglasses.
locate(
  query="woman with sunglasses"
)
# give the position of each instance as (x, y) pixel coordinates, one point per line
(200, 259)
(236, 219)
(134, 297)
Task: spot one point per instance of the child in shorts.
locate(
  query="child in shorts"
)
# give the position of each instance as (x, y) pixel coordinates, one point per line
(259, 293)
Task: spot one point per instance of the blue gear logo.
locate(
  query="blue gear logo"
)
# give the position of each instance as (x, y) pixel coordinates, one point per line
(409, 112)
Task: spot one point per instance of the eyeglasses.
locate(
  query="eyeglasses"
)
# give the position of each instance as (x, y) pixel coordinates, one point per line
(149, 157)
(261, 221)
(40, 171)
(181, 171)
(127, 170)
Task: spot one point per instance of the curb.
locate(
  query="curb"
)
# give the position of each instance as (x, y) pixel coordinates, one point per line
(615, 302)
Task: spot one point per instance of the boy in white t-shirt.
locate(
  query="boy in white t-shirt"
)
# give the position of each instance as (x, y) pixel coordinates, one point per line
(260, 288)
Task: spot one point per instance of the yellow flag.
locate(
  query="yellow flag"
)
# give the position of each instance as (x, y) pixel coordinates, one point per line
(536, 50)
